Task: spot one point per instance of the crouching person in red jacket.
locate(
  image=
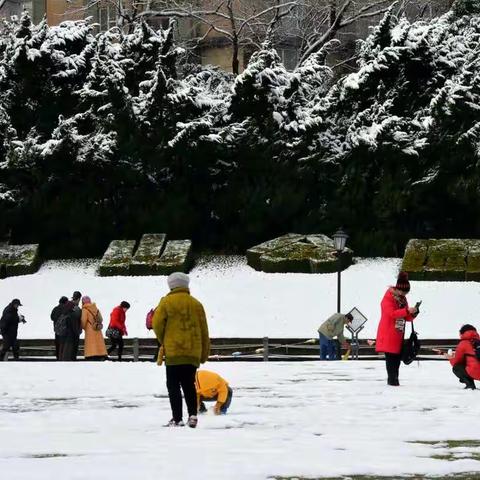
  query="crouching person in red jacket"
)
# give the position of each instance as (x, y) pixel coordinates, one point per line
(465, 364)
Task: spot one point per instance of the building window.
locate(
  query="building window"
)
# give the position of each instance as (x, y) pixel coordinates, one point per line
(107, 17)
(289, 57)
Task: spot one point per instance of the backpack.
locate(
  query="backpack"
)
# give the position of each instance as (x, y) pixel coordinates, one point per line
(61, 325)
(149, 319)
(97, 322)
(411, 347)
(476, 348)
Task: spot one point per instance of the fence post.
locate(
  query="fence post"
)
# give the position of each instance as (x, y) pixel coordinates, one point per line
(135, 349)
(265, 349)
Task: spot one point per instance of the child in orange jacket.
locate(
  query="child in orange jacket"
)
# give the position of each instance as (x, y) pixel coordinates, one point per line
(212, 387)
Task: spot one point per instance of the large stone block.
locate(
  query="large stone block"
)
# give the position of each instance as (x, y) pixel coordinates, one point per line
(415, 258)
(444, 259)
(154, 256)
(176, 257)
(19, 259)
(148, 253)
(473, 261)
(117, 258)
(294, 257)
(298, 254)
(254, 253)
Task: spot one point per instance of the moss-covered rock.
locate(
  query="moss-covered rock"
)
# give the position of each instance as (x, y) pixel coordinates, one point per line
(325, 260)
(290, 258)
(154, 256)
(148, 254)
(19, 259)
(177, 257)
(415, 258)
(298, 254)
(442, 259)
(117, 258)
(473, 261)
(254, 253)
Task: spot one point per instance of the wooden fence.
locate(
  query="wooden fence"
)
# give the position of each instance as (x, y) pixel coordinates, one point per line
(231, 349)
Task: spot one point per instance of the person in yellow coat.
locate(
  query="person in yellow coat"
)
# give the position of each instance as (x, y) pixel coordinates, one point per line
(180, 324)
(92, 323)
(212, 387)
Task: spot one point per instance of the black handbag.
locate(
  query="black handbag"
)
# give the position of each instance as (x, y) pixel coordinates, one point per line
(411, 347)
(113, 333)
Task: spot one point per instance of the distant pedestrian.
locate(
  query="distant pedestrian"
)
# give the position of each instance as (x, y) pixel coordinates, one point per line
(68, 327)
(466, 365)
(9, 329)
(329, 330)
(391, 329)
(117, 328)
(181, 328)
(211, 387)
(54, 316)
(92, 323)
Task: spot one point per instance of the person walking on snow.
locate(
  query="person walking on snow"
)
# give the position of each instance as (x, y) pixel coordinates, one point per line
(92, 323)
(328, 330)
(117, 328)
(180, 324)
(211, 387)
(9, 329)
(466, 365)
(391, 329)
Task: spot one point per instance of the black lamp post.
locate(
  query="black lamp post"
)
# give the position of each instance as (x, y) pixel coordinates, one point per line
(339, 241)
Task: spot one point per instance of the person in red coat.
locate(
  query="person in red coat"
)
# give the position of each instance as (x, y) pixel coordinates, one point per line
(117, 329)
(465, 364)
(391, 329)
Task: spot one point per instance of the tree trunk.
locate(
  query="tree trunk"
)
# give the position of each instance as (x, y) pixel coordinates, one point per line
(235, 62)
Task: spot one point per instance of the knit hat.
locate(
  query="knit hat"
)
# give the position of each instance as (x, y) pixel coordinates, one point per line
(402, 282)
(86, 299)
(178, 280)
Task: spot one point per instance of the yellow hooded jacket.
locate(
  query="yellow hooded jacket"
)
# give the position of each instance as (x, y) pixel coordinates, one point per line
(181, 328)
(210, 385)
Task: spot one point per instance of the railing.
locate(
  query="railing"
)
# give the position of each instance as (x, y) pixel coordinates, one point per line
(231, 349)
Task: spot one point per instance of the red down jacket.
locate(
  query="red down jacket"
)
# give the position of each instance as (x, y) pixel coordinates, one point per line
(117, 320)
(391, 328)
(466, 355)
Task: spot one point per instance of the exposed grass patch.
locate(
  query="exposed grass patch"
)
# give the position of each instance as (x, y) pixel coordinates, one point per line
(47, 455)
(452, 450)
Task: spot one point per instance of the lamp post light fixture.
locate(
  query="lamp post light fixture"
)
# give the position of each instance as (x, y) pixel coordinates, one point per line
(339, 241)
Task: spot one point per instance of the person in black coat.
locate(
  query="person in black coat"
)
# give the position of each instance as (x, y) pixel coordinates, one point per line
(54, 316)
(68, 348)
(9, 329)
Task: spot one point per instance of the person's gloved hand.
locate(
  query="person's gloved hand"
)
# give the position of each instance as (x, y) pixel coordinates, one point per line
(217, 408)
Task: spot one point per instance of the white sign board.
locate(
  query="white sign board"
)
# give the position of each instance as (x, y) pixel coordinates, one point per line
(358, 320)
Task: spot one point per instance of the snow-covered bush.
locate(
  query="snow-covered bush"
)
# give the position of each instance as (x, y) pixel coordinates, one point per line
(106, 134)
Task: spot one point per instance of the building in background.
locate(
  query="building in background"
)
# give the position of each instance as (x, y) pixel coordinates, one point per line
(210, 46)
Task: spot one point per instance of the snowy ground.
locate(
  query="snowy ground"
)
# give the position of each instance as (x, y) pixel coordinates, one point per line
(314, 419)
(242, 302)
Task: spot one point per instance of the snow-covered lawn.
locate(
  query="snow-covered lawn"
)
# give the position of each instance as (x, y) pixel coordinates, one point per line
(102, 421)
(241, 302)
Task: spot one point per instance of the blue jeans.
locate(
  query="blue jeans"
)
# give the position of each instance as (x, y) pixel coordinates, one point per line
(224, 407)
(327, 348)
